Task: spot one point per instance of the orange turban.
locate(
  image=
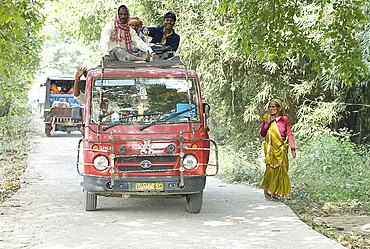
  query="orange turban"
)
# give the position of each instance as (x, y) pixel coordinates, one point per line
(54, 89)
(135, 20)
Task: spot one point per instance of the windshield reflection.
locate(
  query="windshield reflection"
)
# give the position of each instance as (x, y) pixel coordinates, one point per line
(143, 100)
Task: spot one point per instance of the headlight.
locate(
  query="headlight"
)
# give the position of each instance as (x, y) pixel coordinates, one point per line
(190, 162)
(101, 162)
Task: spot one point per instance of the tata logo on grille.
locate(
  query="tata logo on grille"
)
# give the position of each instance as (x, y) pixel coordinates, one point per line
(146, 164)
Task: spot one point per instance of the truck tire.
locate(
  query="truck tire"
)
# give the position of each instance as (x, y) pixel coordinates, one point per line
(47, 130)
(194, 202)
(90, 200)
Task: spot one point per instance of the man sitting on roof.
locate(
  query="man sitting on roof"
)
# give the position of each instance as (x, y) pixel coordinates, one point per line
(116, 39)
(164, 34)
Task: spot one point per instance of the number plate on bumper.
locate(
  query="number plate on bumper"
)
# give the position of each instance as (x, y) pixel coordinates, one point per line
(144, 186)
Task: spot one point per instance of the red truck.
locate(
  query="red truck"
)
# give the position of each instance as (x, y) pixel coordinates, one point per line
(145, 133)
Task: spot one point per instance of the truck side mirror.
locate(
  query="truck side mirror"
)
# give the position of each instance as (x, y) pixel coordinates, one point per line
(76, 113)
(206, 109)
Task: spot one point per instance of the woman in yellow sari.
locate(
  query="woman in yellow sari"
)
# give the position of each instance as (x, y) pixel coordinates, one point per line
(276, 129)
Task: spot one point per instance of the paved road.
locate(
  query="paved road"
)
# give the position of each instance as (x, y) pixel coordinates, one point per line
(47, 213)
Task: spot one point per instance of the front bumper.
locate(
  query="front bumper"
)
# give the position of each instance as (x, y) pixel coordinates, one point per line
(101, 186)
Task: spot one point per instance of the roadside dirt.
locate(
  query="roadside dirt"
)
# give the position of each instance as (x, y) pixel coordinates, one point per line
(11, 169)
(348, 224)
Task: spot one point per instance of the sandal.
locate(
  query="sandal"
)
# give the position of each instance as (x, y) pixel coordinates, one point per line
(147, 56)
(267, 195)
(273, 198)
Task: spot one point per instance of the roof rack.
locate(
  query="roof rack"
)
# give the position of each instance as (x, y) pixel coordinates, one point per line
(136, 64)
(61, 77)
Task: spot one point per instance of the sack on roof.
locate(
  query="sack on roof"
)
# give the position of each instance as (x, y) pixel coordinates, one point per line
(164, 52)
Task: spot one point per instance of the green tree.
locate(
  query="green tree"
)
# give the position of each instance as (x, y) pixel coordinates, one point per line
(324, 30)
(20, 44)
(64, 53)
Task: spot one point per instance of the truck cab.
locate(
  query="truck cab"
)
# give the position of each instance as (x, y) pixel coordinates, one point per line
(145, 133)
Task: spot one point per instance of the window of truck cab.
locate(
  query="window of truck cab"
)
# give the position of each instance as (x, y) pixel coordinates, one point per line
(143, 100)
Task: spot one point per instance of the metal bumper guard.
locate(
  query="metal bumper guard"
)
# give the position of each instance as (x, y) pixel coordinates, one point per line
(192, 184)
(180, 182)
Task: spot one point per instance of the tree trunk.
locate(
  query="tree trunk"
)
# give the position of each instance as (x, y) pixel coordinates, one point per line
(4, 109)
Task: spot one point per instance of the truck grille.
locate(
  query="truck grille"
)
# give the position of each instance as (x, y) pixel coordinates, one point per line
(153, 159)
(139, 159)
(138, 168)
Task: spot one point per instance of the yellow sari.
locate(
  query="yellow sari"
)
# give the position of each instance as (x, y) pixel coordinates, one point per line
(276, 178)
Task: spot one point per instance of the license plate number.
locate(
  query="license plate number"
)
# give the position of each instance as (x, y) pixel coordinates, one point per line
(144, 186)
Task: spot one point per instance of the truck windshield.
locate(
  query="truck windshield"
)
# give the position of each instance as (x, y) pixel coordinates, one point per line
(144, 100)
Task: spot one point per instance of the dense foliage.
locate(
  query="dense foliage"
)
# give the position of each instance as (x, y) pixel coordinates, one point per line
(331, 169)
(328, 169)
(63, 53)
(20, 45)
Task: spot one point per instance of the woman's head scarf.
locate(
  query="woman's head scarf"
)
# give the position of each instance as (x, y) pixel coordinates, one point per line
(135, 20)
(279, 104)
(118, 27)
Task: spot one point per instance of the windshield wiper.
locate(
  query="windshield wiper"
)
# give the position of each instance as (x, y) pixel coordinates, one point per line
(163, 119)
(126, 117)
(108, 126)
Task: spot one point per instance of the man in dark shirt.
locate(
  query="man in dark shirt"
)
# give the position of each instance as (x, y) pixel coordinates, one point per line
(165, 34)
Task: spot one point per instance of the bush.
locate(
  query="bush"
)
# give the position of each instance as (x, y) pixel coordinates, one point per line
(13, 129)
(242, 166)
(330, 169)
(13, 148)
(327, 169)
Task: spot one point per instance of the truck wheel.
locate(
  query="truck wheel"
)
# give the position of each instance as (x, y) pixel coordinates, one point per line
(90, 200)
(194, 202)
(47, 130)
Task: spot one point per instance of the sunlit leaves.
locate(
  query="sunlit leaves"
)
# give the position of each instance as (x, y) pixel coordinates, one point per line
(84, 20)
(323, 30)
(19, 45)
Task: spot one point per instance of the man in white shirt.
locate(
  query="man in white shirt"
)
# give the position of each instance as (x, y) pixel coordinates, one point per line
(117, 38)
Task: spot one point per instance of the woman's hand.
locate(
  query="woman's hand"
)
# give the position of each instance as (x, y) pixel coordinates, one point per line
(293, 154)
(271, 119)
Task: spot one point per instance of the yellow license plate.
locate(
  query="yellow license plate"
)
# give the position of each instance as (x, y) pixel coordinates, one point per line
(144, 186)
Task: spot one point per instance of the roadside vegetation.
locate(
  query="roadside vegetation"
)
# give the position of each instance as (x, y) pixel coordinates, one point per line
(20, 46)
(314, 55)
(14, 148)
